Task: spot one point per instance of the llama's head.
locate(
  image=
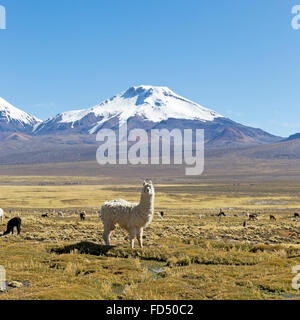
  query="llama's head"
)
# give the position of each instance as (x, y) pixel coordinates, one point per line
(148, 188)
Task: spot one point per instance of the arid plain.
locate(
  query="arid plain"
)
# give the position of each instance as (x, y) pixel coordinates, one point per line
(189, 254)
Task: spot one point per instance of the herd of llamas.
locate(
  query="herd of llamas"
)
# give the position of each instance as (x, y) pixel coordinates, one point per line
(133, 217)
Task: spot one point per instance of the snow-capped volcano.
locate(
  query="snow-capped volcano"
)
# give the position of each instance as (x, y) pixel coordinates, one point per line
(145, 103)
(150, 107)
(69, 136)
(14, 119)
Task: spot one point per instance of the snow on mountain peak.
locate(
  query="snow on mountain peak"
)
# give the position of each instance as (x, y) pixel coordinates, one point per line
(150, 103)
(9, 113)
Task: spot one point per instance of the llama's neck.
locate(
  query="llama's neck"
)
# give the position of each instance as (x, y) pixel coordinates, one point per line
(147, 203)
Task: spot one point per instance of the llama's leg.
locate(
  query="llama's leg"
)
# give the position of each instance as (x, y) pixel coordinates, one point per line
(19, 228)
(132, 237)
(106, 234)
(140, 237)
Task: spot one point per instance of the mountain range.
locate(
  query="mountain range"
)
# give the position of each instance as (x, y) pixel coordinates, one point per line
(13, 119)
(70, 136)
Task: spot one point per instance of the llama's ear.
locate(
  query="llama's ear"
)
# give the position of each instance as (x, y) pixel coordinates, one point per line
(144, 183)
(150, 182)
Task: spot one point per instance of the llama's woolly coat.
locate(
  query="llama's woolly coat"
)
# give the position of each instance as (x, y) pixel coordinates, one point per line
(128, 215)
(132, 217)
(61, 214)
(1, 215)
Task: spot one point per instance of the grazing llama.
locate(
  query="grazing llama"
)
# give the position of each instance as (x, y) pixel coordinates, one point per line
(14, 222)
(131, 217)
(221, 214)
(61, 214)
(296, 215)
(1, 215)
(82, 216)
(272, 218)
(253, 217)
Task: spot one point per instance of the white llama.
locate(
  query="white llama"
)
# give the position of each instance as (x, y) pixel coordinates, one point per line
(132, 217)
(61, 214)
(1, 215)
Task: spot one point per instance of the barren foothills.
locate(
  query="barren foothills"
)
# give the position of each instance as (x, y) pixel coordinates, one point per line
(189, 254)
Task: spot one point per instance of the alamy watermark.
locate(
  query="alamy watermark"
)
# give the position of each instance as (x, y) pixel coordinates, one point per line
(152, 147)
(2, 279)
(296, 18)
(2, 17)
(295, 284)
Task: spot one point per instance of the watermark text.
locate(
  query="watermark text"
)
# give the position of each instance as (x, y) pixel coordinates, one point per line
(2, 18)
(295, 284)
(2, 279)
(296, 18)
(152, 147)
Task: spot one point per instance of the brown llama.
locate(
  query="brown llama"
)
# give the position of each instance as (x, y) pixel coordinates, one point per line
(253, 217)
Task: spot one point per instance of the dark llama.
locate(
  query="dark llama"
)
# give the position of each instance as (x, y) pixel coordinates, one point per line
(82, 216)
(14, 222)
(222, 213)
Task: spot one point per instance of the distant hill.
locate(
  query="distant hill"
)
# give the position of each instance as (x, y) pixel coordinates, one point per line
(293, 137)
(281, 150)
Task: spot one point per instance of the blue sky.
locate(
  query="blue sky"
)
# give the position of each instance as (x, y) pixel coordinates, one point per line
(240, 58)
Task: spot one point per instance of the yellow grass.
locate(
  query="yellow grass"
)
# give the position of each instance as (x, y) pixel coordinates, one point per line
(68, 196)
(185, 256)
